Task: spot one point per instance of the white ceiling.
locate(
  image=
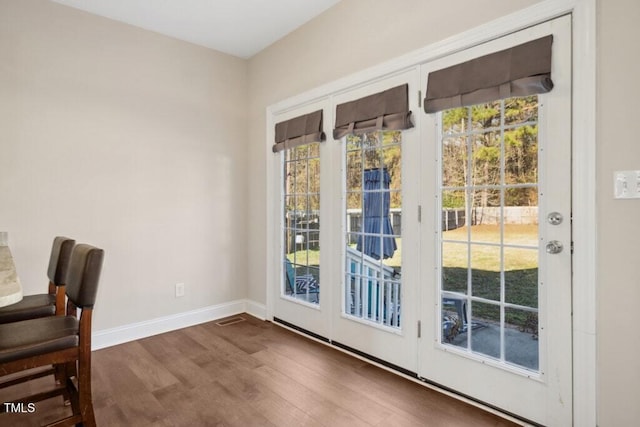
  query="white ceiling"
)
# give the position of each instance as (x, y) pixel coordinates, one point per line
(237, 27)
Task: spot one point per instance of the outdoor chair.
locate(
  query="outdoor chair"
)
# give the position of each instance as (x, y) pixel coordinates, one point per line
(51, 303)
(302, 284)
(62, 341)
(460, 305)
(458, 323)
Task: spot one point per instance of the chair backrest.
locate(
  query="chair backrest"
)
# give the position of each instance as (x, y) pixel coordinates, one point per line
(59, 260)
(84, 275)
(291, 276)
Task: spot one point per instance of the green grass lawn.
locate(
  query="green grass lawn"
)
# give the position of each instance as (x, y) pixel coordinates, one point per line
(304, 257)
(520, 267)
(313, 257)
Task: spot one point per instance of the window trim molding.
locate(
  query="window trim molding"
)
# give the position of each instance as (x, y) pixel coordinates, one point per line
(584, 161)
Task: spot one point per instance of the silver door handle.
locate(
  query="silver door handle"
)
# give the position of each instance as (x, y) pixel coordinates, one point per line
(554, 247)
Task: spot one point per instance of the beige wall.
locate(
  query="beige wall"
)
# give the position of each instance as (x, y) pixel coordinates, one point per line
(128, 140)
(618, 148)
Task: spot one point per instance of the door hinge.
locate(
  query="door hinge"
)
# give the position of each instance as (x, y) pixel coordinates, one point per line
(419, 329)
(419, 213)
(420, 98)
(572, 247)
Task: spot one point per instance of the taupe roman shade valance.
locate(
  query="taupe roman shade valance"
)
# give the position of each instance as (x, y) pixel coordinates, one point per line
(299, 130)
(380, 111)
(519, 71)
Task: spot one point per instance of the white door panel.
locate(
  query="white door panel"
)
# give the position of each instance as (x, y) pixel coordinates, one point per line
(300, 297)
(375, 308)
(497, 313)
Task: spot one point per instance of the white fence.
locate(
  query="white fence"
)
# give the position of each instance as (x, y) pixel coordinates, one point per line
(521, 215)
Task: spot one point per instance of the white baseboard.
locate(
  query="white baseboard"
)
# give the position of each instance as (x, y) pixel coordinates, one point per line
(256, 309)
(147, 328)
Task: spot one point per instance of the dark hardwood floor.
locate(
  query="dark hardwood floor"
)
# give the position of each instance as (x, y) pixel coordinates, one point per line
(250, 373)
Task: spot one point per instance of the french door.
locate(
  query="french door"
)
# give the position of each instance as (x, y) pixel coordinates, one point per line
(301, 298)
(498, 307)
(374, 310)
(347, 254)
(443, 249)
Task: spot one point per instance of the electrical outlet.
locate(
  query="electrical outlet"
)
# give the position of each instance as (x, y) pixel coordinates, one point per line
(179, 290)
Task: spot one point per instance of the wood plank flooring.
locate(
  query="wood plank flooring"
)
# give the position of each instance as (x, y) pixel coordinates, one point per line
(250, 373)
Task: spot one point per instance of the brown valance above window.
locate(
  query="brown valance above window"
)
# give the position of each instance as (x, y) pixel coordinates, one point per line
(381, 111)
(519, 71)
(299, 130)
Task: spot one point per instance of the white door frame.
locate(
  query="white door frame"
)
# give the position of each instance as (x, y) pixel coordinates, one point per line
(584, 163)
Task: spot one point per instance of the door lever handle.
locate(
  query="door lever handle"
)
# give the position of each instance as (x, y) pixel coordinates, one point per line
(554, 247)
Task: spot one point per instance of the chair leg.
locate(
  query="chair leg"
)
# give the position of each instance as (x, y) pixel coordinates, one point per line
(66, 373)
(83, 374)
(61, 379)
(72, 395)
(85, 397)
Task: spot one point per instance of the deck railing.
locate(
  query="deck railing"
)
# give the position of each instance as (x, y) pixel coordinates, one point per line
(372, 290)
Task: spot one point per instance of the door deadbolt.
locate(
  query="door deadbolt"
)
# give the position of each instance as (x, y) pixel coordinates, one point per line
(555, 218)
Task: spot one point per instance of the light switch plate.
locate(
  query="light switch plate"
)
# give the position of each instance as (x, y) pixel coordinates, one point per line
(626, 184)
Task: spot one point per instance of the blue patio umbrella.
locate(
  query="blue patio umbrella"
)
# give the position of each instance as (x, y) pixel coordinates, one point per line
(376, 216)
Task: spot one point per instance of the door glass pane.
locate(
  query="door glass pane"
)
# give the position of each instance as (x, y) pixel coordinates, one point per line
(489, 246)
(485, 116)
(455, 121)
(521, 276)
(301, 152)
(373, 219)
(486, 216)
(454, 218)
(486, 159)
(354, 170)
(521, 110)
(314, 174)
(521, 338)
(521, 216)
(521, 155)
(454, 320)
(485, 272)
(454, 149)
(301, 223)
(485, 330)
(455, 262)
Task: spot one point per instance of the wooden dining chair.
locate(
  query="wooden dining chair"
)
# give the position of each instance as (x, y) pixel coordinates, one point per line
(62, 341)
(53, 302)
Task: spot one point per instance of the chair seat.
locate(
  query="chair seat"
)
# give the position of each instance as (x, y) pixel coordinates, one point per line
(31, 307)
(34, 337)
